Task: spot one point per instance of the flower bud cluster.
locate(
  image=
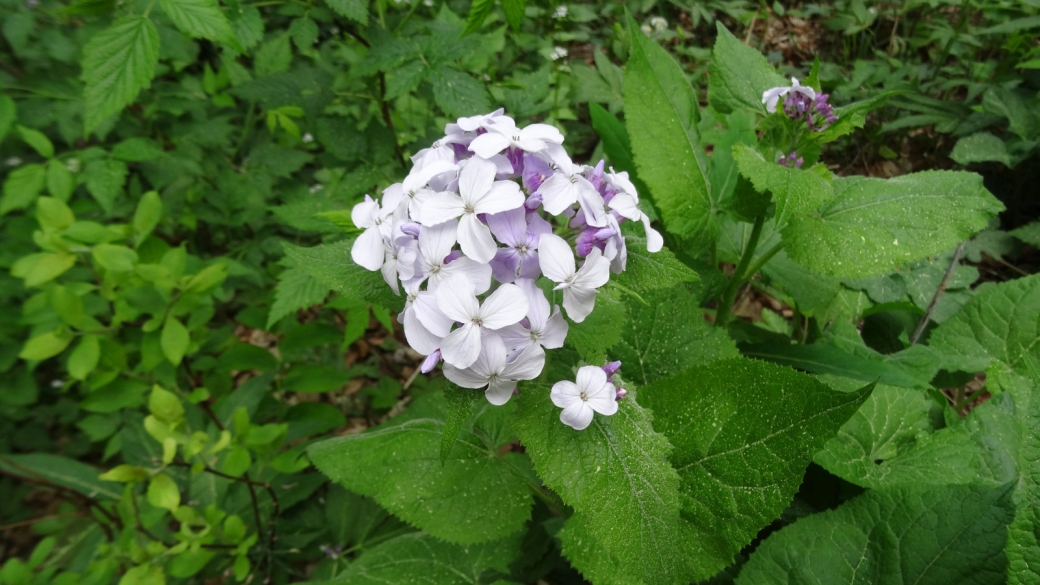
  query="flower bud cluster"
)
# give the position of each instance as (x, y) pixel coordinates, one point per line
(802, 103)
(485, 213)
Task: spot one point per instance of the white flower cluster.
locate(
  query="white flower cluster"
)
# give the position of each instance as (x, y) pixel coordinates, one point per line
(484, 213)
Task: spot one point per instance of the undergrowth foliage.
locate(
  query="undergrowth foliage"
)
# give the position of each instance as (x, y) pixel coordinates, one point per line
(326, 293)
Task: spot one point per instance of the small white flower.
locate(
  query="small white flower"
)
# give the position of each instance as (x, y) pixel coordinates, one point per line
(57, 383)
(544, 329)
(579, 286)
(424, 324)
(456, 299)
(501, 135)
(428, 3)
(771, 97)
(659, 24)
(646, 29)
(558, 53)
(579, 401)
(367, 250)
(435, 243)
(567, 186)
(560, 12)
(492, 369)
(626, 204)
(308, 138)
(411, 192)
(13, 161)
(316, 187)
(72, 165)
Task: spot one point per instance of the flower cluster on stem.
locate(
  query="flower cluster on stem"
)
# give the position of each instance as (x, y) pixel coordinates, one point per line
(486, 213)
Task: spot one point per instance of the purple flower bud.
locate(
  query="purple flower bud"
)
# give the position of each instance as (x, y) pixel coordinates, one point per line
(604, 234)
(533, 202)
(535, 172)
(612, 368)
(585, 243)
(461, 151)
(453, 256)
(621, 394)
(596, 177)
(430, 362)
(516, 158)
(410, 229)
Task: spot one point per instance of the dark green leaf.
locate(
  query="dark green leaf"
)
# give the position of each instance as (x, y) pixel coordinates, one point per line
(118, 63)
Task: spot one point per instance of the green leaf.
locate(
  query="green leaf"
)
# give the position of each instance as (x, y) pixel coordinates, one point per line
(1001, 323)
(200, 19)
(1029, 233)
(514, 10)
(953, 534)
(246, 356)
(458, 93)
(164, 493)
(403, 80)
(36, 139)
(743, 432)
(125, 474)
(60, 182)
(478, 494)
(304, 32)
(1008, 103)
(666, 335)
(296, 289)
(586, 554)
(356, 10)
(175, 340)
(616, 474)
(980, 147)
(892, 440)
(248, 26)
(104, 179)
(45, 346)
(739, 75)
(796, 191)
(478, 12)
(147, 215)
(62, 471)
(273, 56)
(165, 405)
(114, 257)
(237, 461)
(68, 305)
(137, 150)
(661, 116)
(8, 114)
(207, 278)
(461, 402)
(22, 186)
(310, 378)
(84, 359)
(330, 264)
(118, 63)
(874, 225)
(616, 144)
(53, 213)
(421, 558)
(38, 269)
(646, 271)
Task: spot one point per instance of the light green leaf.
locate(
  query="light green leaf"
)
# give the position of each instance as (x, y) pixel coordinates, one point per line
(1000, 323)
(356, 10)
(248, 26)
(1029, 233)
(164, 493)
(118, 63)
(137, 150)
(68, 305)
(175, 340)
(601, 329)
(646, 271)
(585, 553)
(476, 495)
(45, 346)
(421, 558)
(52, 213)
(200, 19)
(273, 56)
(739, 75)
(84, 359)
(38, 269)
(104, 179)
(742, 432)
(165, 405)
(60, 182)
(661, 116)
(296, 289)
(980, 147)
(36, 139)
(461, 403)
(125, 474)
(63, 471)
(874, 225)
(617, 146)
(952, 534)
(458, 93)
(514, 10)
(616, 474)
(478, 11)
(892, 440)
(114, 257)
(304, 33)
(796, 191)
(148, 214)
(330, 264)
(22, 186)
(666, 335)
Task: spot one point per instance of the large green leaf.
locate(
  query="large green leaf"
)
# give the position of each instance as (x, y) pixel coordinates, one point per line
(661, 115)
(61, 471)
(330, 264)
(616, 474)
(980, 147)
(892, 440)
(296, 289)
(739, 75)
(795, 190)
(616, 145)
(356, 10)
(476, 494)
(1000, 323)
(118, 62)
(458, 93)
(667, 334)
(874, 225)
(419, 558)
(585, 553)
(743, 432)
(200, 19)
(953, 534)
(646, 271)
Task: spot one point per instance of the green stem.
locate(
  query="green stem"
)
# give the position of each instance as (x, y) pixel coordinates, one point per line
(730, 294)
(762, 260)
(246, 126)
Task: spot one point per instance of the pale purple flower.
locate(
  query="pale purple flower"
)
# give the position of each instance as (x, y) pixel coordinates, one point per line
(492, 369)
(502, 135)
(435, 244)
(367, 250)
(401, 254)
(479, 192)
(772, 96)
(413, 190)
(456, 299)
(542, 328)
(424, 323)
(474, 123)
(579, 286)
(567, 186)
(590, 394)
(519, 257)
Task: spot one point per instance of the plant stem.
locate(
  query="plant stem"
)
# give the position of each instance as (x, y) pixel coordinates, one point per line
(766, 257)
(729, 295)
(938, 293)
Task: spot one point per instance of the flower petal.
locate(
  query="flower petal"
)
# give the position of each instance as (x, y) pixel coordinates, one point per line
(437, 241)
(654, 241)
(527, 366)
(389, 270)
(558, 193)
(505, 306)
(419, 177)
(462, 346)
(418, 336)
(595, 272)
(429, 314)
(577, 416)
(537, 304)
(475, 239)
(516, 337)
(488, 145)
(464, 377)
(564, 393)
(605, 404)
(591, 379)
(476, 179)
(440, 207)
(502, 196)
(579, 302)
(509, 227)
(363, 214)
(457, 300)
(554, 332)
(545, 132)
(556, 258)
(478, 274)
(367, 250)
(499, 391)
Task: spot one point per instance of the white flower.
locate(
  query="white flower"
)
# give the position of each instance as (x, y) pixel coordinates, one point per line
(560, 12)
(456, 299)
(13, 161)
(411, 192)
(435, 244)
(579, 287)
(315, 188)
(592, 393)
(367, 250)
(500, 136)
(492, 370)
(401, 254)
(626, 204)
(646, 29)
(544, 329)
(72, 165)
(479, 192)
(558, 53)
(567, 186)
(308, 137)
(424, 323)
(474, 123)
(659, 24)
(771, 97)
